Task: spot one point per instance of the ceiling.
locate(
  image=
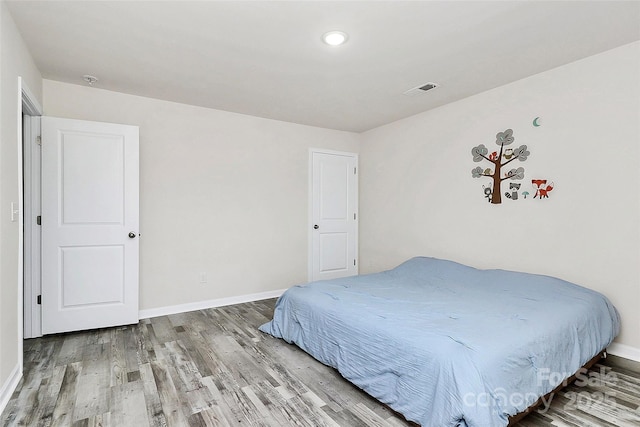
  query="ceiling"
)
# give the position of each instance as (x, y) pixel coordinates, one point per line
(266, 58)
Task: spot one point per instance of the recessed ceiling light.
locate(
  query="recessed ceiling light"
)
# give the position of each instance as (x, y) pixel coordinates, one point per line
(335, 38)
(89, 79)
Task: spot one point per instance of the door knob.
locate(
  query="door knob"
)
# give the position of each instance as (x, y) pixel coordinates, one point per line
(315, 227)
(132, 235)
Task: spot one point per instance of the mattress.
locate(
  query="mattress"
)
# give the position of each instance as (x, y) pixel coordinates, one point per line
(446, 344)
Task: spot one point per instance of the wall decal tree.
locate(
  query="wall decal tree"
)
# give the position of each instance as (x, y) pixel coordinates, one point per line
(481, 152)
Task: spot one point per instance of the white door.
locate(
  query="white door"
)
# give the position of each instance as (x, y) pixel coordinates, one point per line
(334, 221)
(89, 225)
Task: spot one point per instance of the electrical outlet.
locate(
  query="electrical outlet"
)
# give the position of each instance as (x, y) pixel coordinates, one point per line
(203, 277)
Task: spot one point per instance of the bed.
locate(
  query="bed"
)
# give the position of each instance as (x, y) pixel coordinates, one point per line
(445, 344)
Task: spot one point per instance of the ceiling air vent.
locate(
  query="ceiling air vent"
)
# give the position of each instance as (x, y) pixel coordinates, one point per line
(421, 89)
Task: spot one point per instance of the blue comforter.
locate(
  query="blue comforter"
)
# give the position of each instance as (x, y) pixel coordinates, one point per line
(446, 344)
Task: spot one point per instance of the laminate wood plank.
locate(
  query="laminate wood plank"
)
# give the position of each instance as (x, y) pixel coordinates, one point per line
(198, 321)
(275, 402)
(146, 341)
(134, 354)
(190, 339)
(142, 345)
(50, 391)
(307, 412)
(244, 320)
(118, 368)
(282, 361)
(383, 411)
(292, 412)
(34, 385)
(273, 370)
(313, 399)
(395, 421)
(625, 387)
(215, 326)
(271, 396)
(257, 402)
(621, 365)
(63, 411)
(613, 414)
(196, 420)
(163, 330)
(81, 423)
(179, 319)
(197, 400)
(92, 390)
(168, 394)
(200, 398)
(564, 409)
(239, 406)
(128, 405)
(184, 372)
(152, 340)
(101, 420)
(218, 404)
(345, 417)
(155, 413)
(246, 370)
(213, 417)
(99, 336)
(72, 349)
(361, 411)
(208, 355)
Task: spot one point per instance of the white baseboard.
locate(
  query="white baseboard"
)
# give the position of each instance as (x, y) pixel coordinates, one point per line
(201, 305)
(625, 351)
(9, 387)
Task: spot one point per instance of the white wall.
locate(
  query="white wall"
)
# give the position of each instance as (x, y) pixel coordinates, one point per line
(16, 61)
(417, 195)
(220, 193)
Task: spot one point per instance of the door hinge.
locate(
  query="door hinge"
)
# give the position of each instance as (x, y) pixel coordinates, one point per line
(39, 220)
(39, 300)
(39, 140)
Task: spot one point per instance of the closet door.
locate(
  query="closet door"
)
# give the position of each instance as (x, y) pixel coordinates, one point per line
(334, 223)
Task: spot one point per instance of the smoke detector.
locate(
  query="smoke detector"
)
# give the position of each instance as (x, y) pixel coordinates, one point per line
(89, 79)
(421, 89)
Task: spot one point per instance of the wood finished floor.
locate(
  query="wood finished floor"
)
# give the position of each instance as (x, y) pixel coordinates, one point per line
(214, 368)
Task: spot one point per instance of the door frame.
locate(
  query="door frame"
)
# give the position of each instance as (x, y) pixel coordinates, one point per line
(312, 151)
(30, 111)
(31, 230)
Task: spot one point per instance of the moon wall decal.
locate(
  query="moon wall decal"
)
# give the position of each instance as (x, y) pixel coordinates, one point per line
(535, 122)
